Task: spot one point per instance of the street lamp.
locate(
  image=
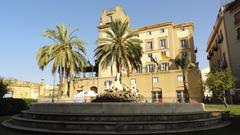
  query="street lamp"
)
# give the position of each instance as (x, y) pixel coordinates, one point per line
(155, 61)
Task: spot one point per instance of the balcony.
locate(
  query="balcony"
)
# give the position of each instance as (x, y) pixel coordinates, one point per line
(196, 50)
(220, 39)
(209, 57)
(210, 53)
(237, 21)
(223, 65)
(215, 48)
(197, 64)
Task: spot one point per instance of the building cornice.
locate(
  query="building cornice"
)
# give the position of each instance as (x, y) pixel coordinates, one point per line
(214, 32)
(232, 6)
(153, 26)
(148, 27)
(103, 26)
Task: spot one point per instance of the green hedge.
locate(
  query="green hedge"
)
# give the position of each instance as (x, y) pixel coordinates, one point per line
(29, 101)
(9, 106)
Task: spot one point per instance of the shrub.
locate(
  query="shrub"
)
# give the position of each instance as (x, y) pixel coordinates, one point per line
(29, 101)
(9, 106)
(3, 87)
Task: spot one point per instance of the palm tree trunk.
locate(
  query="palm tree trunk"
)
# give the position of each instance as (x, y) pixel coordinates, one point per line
(118, 67)
(185, 87)
(68, 87)
(60, 92)
(53, 91)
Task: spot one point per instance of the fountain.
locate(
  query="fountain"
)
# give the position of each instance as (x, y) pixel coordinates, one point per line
(117, 118)
(121, 90)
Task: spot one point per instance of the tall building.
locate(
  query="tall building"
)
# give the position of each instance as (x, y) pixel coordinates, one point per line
(159, 81)
(223, 45)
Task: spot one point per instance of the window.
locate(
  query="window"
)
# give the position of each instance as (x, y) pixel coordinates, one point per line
(224, 57)
(182, 29)
(163, 53)
(163, 43)
(180, 96)
(156, 96)
(110, 19)
(150, 68)
(219, 63)
(149, 46)
(184, 54)
(163, 66)
(162, 30)
(179, 78)
(107, 84)
(238, 33)
(150, 55)
(183, 43)
(133, 83)
(220, 36)
(149, 33)
(224, 64)
(155, 80)
(237, 17)
(215, 47)
(140, 69)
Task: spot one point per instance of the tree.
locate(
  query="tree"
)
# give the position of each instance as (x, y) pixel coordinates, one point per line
(120, 47)
(184, 63)
(67, 53)
(3, 87)
(219, 82)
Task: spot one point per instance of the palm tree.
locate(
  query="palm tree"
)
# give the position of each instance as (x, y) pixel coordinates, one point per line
(184, 64)
(120, 47)
(67, 53)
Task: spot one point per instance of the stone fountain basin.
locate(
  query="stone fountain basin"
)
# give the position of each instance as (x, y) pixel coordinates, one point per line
(116, 108)
(116, 118)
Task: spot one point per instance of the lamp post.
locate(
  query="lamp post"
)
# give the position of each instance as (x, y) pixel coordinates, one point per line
(92, 69)
(155, 61)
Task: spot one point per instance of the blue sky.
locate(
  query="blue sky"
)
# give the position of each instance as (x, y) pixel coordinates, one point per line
(22, 23)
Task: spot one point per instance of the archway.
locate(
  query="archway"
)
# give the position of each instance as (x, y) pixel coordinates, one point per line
(94, 88)
(157, 95)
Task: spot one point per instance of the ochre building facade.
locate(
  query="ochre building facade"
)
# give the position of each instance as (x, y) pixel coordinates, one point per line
(159, 80)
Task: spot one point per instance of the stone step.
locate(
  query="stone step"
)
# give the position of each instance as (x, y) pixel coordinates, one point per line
(124, 114)
(18, 117)
(119, 117)
(112, 126)
(44, 130)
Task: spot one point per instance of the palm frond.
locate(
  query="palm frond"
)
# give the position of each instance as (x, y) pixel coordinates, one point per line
(119, 46)
(67, 52)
